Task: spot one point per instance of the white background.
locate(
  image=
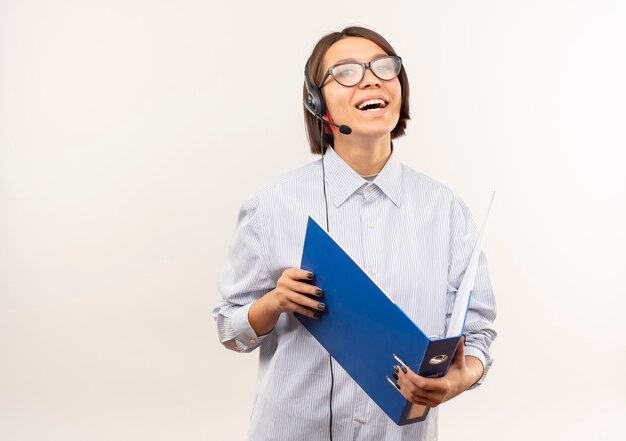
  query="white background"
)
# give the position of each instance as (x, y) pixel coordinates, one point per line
(131, 132)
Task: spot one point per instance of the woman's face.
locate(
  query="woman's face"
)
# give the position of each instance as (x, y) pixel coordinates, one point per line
(343, 102)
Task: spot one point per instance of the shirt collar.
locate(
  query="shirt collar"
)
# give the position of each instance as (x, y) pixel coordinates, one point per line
(344, 181)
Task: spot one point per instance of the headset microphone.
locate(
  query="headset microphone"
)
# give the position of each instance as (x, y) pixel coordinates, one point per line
(344, 129)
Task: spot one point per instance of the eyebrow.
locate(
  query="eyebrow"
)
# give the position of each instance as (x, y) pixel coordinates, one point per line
(354, 59)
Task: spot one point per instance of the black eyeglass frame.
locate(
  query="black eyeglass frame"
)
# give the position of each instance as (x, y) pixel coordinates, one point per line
(365, 66)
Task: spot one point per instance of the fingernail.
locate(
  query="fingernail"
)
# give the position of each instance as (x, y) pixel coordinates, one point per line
(397, 386)
(318, 292)
(394, 375)
(309, 276)
(321, 306)
(403, 369)
(316, 315)
(395, 369)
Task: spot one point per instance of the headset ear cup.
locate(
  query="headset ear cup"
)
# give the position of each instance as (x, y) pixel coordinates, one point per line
(315, 100)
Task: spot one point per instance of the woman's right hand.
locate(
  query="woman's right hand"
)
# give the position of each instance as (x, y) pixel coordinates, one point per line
(290, 295)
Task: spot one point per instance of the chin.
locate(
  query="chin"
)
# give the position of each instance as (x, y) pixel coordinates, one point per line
(371, 131)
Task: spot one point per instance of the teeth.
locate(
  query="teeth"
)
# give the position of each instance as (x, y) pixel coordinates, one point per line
(376, 101)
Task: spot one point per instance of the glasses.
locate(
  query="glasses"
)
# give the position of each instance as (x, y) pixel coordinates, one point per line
(351, 73)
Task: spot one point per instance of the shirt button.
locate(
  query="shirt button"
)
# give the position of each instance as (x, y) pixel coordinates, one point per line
(253, 341)
(362, 420)
(370, 225)
(369, 188)
(373, 272)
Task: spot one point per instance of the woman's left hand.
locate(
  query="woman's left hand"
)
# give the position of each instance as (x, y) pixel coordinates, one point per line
(463, 372)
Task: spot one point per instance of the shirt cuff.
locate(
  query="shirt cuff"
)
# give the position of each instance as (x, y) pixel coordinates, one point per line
(243, 329)
(475, 352)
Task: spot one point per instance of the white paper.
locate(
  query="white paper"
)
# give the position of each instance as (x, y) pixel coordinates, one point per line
(461, 303)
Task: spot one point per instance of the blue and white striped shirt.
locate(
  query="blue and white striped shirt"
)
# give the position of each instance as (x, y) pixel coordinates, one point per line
(413, 235)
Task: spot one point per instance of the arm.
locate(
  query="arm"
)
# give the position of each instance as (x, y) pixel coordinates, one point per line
(472, 358)
(252, 300)
(244, 279)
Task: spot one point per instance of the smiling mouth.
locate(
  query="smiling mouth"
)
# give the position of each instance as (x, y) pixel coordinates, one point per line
(372, 105)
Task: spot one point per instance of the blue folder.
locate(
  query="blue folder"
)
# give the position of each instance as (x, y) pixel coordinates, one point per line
(367, 333)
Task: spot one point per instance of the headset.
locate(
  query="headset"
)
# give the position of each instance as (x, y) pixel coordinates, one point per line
(314, 103)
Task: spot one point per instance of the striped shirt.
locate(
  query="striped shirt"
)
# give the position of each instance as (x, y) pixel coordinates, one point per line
(412, 235)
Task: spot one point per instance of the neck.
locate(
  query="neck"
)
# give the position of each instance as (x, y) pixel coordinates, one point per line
(364, 157)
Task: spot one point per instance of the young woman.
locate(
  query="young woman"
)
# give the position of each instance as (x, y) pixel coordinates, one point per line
(413, 235)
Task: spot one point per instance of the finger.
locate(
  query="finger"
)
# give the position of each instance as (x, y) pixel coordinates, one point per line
(415, 379)
(305, 311)
(302, 300)
(417, 395)
(410, 396)
(298, 274)
(425, 401)
(304, 288)
(430, 385)
(288, 298)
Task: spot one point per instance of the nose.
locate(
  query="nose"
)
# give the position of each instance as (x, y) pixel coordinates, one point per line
(369, 80)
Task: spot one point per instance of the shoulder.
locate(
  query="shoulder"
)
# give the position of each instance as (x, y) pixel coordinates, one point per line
(286, 185)
(417, 184)
(431, 197)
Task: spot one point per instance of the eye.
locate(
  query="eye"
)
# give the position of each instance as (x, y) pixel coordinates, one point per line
(384, 66)
(347, 71)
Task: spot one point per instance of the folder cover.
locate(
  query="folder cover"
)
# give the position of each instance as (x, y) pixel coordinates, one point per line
(367, 333)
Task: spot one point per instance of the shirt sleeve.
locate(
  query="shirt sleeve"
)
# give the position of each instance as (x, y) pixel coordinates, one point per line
(244, 279)
(479, 331)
